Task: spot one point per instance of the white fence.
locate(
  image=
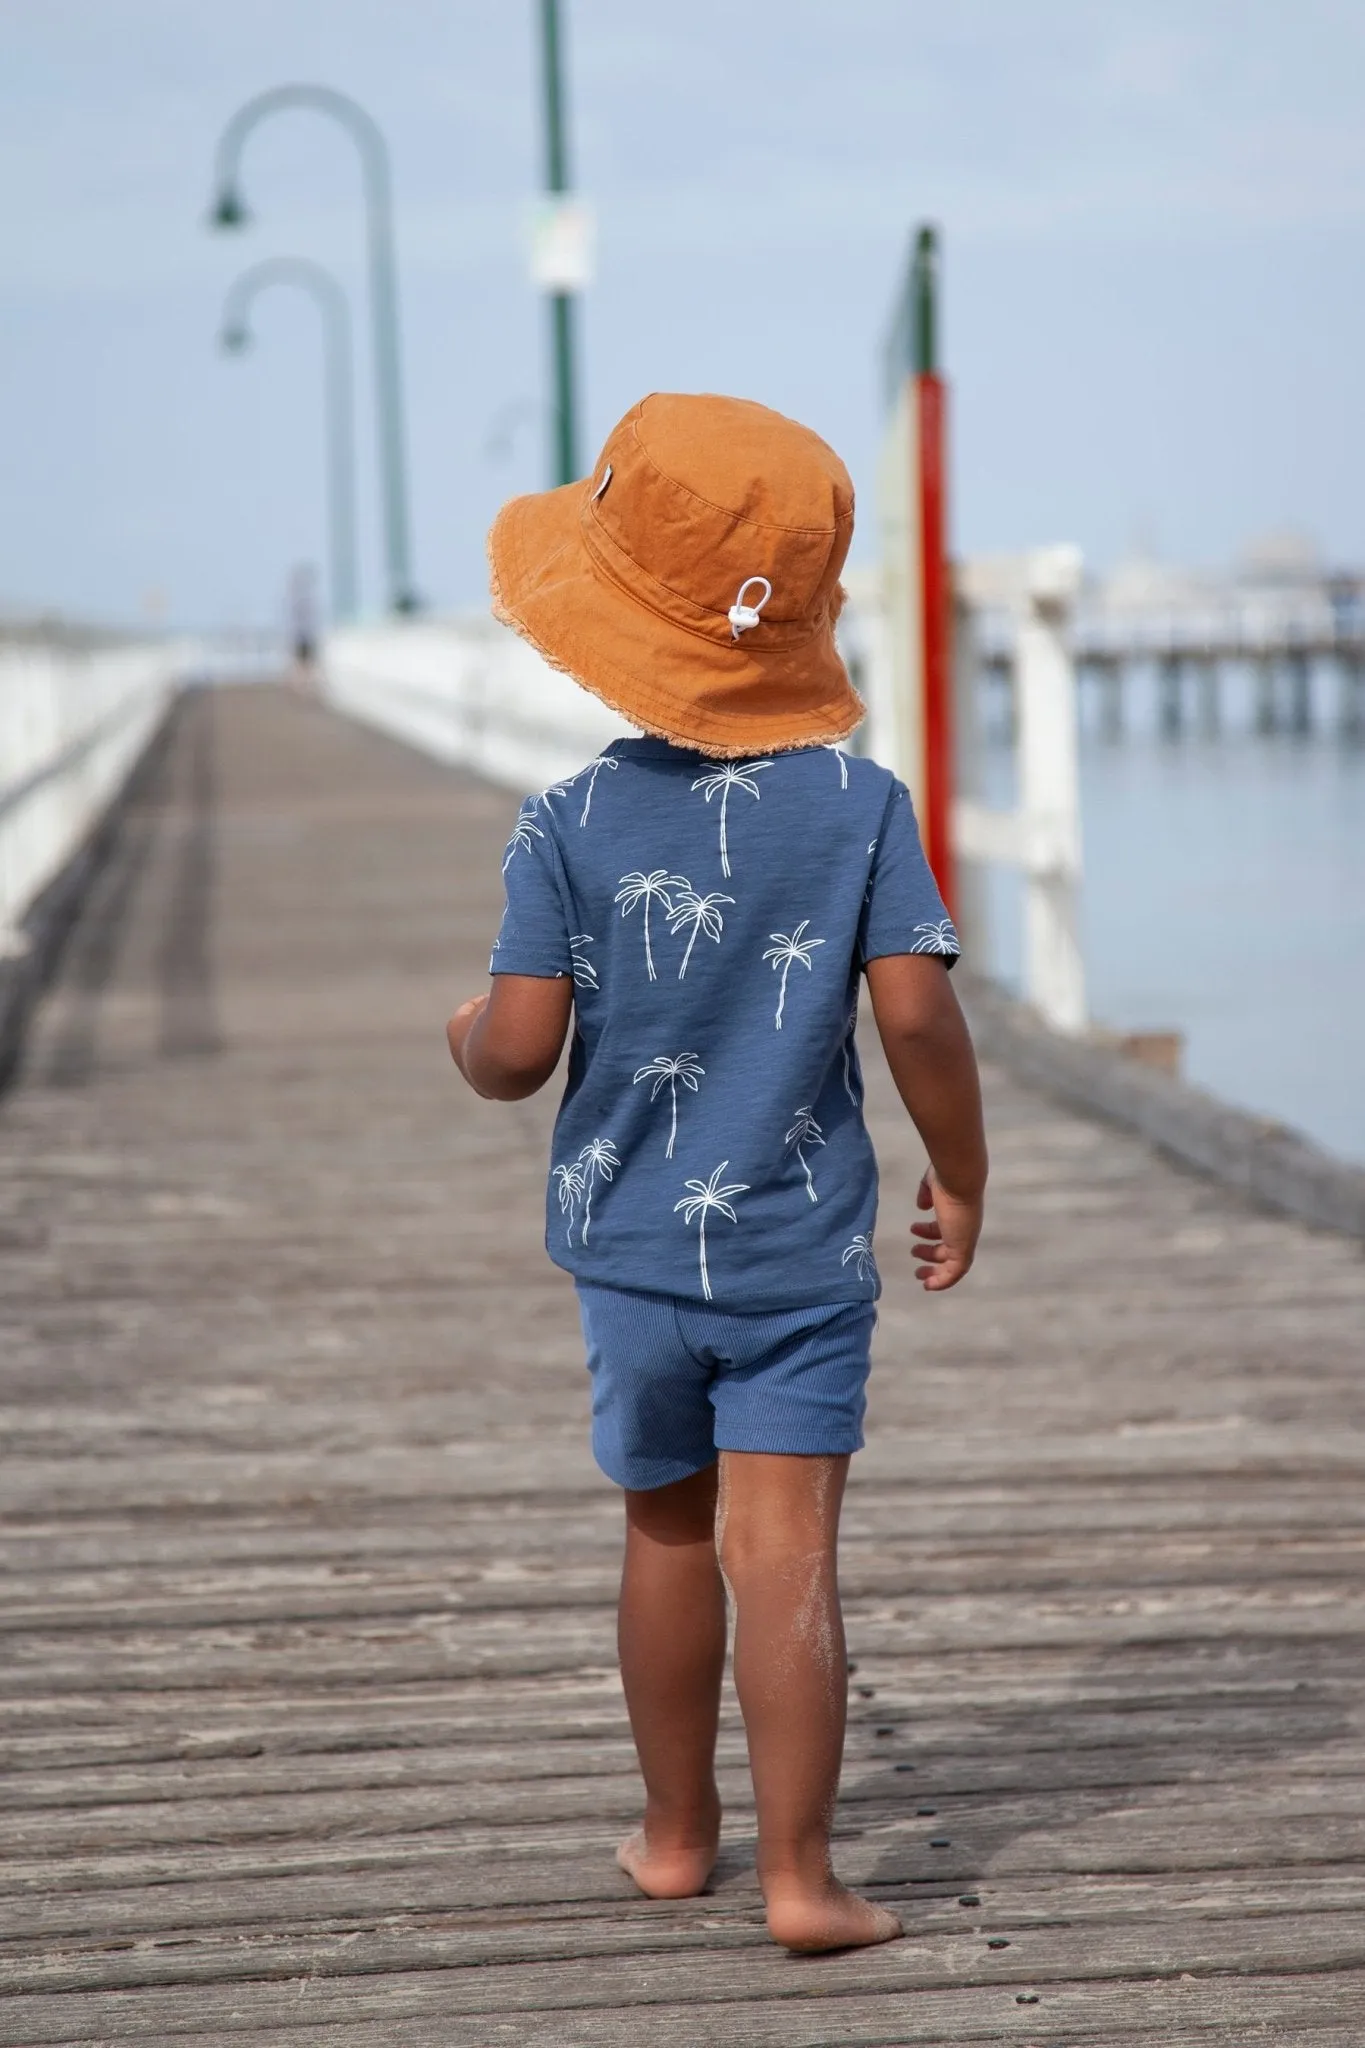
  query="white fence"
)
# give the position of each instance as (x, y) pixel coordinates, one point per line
(470, 692)
(73, 722)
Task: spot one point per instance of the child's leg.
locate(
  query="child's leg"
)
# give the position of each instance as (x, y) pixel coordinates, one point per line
(778, 1534)
(671, 1634)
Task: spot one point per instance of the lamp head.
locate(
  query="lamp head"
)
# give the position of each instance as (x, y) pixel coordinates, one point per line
(229, 209)
(235, 340)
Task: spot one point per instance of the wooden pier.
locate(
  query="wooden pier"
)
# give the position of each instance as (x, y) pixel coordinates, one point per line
(311, 1727)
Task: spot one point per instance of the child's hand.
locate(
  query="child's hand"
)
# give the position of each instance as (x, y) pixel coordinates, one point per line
(457, 1030)
(947, 1243)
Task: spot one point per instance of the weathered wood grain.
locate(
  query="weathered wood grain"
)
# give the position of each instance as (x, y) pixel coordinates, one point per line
(599, 1960)
(394, 1893)
(308, 1714)
(785, 2010)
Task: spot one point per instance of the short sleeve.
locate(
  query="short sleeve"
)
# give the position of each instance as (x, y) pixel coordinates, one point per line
(534, 936)
(903, 911)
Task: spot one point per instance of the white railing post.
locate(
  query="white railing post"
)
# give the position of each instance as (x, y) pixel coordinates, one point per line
(1049, 788)
(1042, 836)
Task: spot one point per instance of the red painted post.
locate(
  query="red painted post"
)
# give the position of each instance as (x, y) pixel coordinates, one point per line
(917, 579)
(936, 626)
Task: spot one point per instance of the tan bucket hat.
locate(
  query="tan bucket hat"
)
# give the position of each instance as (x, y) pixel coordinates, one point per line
(692, 582)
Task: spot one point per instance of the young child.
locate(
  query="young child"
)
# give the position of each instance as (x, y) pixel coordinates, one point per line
(703, 901)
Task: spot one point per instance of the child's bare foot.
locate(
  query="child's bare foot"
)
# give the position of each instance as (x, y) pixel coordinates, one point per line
(666, 1873)
(811, 1918)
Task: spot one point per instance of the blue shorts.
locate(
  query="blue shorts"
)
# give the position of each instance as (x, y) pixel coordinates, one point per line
(674, 1382)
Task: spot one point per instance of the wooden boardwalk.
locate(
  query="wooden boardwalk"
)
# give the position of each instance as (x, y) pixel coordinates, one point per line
(309, 1714)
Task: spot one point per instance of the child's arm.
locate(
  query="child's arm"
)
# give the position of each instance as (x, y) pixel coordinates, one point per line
(930, 1055)
(507, 1043)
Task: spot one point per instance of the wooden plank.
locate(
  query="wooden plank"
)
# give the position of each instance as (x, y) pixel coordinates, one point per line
(941, 1525)
(1288, 1803)
(573, 1888)
(512, 1967)
(790, 2011)
(502, 1864)
(872, 1566)
(872, 1769)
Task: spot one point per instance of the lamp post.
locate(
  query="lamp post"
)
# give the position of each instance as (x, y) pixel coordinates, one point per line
(564, 429)
(229, 211)
(330, 300)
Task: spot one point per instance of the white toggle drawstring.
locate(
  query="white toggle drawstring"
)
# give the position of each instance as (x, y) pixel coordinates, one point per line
(743, 616)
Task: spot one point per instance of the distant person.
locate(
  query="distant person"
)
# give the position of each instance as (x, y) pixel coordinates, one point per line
(303, 616)
(702, 902)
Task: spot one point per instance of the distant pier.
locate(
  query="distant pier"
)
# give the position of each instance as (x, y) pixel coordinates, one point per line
(1269, 658)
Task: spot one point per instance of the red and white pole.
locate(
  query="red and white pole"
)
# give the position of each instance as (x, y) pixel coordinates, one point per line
(917, 581)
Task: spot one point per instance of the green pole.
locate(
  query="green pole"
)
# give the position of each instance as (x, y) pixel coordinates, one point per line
(564, 454)
(924, 303)
(330, 300)
(229, 211)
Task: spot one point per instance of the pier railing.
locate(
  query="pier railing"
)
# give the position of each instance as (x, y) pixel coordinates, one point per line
(75, 715)
(1299, 651)
(467, 691)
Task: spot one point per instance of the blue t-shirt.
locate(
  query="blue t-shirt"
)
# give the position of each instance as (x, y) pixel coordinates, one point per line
(715, 917)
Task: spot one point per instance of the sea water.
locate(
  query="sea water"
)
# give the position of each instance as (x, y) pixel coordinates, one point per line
(1224, 897)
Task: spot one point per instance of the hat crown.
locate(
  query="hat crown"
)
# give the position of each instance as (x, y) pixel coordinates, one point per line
(707, 493)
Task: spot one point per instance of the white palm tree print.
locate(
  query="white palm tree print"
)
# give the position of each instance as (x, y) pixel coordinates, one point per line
(805, 1131)
(849, 1035)
(702, 1196)
(666, 1071)
(592, 771)
(569, 1186)
(595, 1160)
(935, 938)
(702, 913)
(523, 832)
(842, 759)
(859, 1255)
(788, 947)
(720, 778)
(584, 973)
(657, 886)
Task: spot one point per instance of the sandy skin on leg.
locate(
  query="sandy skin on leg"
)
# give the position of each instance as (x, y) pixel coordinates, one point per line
(778, 1526)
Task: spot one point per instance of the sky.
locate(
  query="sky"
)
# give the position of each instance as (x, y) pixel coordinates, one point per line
(1153, 224)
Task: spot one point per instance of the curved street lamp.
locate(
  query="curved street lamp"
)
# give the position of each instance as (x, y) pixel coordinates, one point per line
(565, 441)
(229, 211)
(235, 336)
